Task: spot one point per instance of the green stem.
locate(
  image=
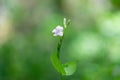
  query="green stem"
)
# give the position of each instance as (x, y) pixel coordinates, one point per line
(61, 77)
(59, 46)
(61, 40)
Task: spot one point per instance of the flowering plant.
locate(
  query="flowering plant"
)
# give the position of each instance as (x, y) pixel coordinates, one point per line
(69, 67)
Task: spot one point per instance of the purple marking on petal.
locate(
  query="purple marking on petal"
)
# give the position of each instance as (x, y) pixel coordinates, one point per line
(58, 31)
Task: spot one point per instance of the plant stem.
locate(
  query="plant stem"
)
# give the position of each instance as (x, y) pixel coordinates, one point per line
(61, 77)
(61, 40)
(59, 46)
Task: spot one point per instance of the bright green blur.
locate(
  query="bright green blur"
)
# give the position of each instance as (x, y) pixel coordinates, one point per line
(26, 39)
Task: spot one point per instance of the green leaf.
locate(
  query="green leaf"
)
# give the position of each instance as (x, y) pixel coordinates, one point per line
(70, 67)
(57, 64)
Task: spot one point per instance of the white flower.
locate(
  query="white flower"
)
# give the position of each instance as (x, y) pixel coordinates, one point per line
(64, 22)
(58, 31)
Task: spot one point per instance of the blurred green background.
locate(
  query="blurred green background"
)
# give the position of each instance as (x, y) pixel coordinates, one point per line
(26, 41)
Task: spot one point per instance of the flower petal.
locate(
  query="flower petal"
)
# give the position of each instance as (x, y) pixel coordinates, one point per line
(60, 34)
(55, 34)
(54, 30)
(58, 31)
(60, 28)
